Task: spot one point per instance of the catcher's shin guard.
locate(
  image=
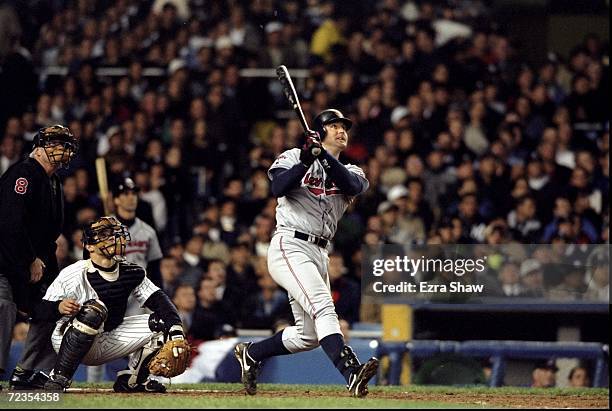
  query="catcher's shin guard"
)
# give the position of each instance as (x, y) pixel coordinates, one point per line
(78, 338)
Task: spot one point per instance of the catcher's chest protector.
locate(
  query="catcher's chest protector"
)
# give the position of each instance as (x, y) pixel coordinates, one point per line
(115, 294)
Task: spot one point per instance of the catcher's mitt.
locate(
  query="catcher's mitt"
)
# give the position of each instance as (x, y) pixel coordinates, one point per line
(171, 359)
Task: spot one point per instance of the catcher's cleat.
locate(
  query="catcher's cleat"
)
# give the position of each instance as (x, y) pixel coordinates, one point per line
(57, 383)
(249, 367)
(358, 380)
(152, 386)
(27, 380)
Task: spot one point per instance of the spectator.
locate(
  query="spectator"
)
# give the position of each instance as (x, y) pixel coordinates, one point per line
(346, 293)
(10, 149)
(572, 285)
(544, 374)
(210, 312)
(184, 300)
(579, 377)
(532, 279)
(170, 273)
(509, 277)
(523, 222)
(64, 258)
(265, 307)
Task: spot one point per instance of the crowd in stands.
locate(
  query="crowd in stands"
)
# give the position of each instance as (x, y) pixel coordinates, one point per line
(462, 140)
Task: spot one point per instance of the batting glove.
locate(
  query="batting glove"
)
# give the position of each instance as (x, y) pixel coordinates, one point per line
(311, 149)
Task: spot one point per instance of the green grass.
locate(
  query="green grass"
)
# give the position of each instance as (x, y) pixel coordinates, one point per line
(290, 396)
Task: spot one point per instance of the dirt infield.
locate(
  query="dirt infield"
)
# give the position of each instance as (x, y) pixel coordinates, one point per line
(509, 400)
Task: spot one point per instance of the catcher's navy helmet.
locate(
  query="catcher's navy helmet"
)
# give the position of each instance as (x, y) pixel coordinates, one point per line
(327, 117)
(100, 233)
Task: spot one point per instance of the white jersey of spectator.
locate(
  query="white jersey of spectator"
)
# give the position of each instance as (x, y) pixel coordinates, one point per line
(204, 366)
(313, 209)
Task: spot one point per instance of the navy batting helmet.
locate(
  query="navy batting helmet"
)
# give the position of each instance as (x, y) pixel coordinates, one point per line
(327, 117)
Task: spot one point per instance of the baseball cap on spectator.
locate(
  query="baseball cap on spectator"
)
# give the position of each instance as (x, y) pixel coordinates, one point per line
(273, 26)
(393, 176)
(398, 114)
(529, 266)
(175, 65)
(397, 191)
(225, 330)
(112, 130)
(125, 185)
(223, 42)
(386, 206)
(547, 365)
(197, 42)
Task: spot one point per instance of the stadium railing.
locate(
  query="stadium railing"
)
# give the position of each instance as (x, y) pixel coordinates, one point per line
(498, 352)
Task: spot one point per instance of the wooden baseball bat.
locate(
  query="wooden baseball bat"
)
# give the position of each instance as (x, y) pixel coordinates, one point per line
(102, 183)
(289, 89)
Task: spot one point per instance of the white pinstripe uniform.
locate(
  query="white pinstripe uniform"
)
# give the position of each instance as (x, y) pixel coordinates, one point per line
(132, 334)
(299, 266)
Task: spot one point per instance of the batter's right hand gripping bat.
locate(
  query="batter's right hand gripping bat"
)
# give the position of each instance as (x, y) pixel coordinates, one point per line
(291, 94)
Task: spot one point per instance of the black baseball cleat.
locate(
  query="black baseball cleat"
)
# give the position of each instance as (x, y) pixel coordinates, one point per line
(57, 383)
(358, 380)
(249, 367)
(151, 386)
(27, 380)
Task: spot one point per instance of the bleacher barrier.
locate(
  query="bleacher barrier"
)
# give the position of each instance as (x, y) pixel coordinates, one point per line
(313, 367)
(498, 352)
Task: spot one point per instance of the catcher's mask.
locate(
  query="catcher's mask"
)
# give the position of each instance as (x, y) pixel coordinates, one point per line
(109, 236)
(59, 144)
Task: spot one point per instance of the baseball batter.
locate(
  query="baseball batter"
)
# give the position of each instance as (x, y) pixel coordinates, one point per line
(314, 190)
(88, 300)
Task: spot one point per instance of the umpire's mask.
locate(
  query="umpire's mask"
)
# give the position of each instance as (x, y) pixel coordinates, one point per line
(59, 144)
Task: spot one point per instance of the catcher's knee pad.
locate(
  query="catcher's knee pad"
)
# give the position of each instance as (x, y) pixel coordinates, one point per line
(79, 337)
(90, 317)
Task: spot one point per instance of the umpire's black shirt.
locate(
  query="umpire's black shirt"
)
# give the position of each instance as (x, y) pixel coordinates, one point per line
(31, 219)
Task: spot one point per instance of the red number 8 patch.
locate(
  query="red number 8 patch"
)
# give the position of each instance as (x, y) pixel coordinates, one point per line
(21, 185)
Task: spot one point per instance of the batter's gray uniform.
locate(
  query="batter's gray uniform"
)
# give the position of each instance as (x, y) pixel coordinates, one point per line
(314, 208)
(144, 245)
(142, 248)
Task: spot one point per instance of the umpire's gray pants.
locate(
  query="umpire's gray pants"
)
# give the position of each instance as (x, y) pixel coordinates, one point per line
(8, 312)
(38, 352)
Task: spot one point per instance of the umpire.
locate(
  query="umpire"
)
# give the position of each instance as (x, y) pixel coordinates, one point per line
(31, 220)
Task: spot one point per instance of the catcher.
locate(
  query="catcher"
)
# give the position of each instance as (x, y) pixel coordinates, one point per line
(88, 300)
